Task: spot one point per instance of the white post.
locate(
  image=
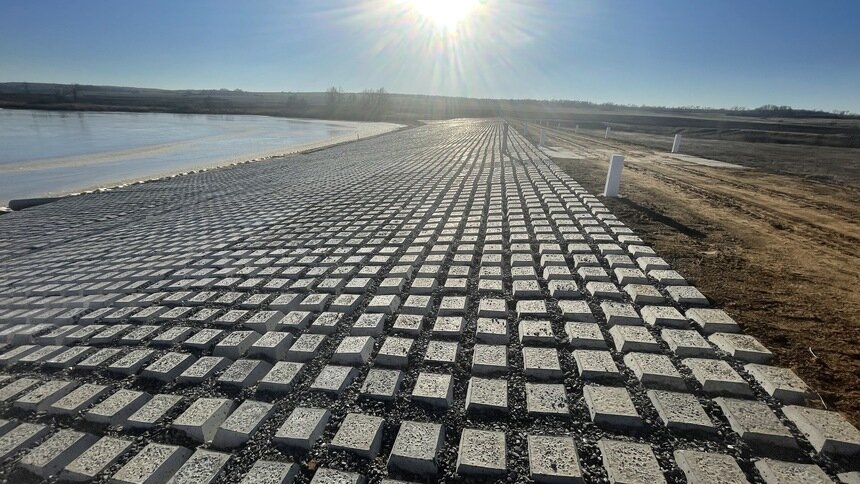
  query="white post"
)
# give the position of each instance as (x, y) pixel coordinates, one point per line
(676, 144)
(542, 137)
(576, 129)
(606, 136)
(613, 176)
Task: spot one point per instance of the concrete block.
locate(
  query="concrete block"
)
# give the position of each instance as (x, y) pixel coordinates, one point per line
(742, 347)
(630, 462)
(52, 455)
(95, 460)
(487, 395)
(325, 475)
(394, 352)
(281, 378)
(244, 373)
(78, 399)
(489, 359)
(168, 367)
(686, 343)
(334, 379)
(381, 384)
(241, 425)
(664, 316)
(554, 460)
(271, 472)
(155, 463)
(492, 330)
(353, 350)
(203, 467)
(779, 472)
(433, 389)
(444, 352)
(482, 453)
(416, 448)
(546, 399)
(755, 423)
(21, 437)
(202, 418)
(702, 467)
(584, 335)
(536, 332)
(272, 345)
(717, 377)
(154, 412)
(305, 347)
(576, 311)
(780, 383)
(681, 412)
(408, 324)
(596, 365)
(633, 338)
(45, 395)
(203, 369)
(713, 320)
(655, 371)
(369, 324)
(302, 428)
(541, 363)
(829, 432)
(359, 434)
(611, 407)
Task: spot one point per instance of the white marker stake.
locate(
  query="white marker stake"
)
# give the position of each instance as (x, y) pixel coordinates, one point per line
(676, 145)
(505, 138)
(606, 136)
(542, 137)
(613, 177)
(576, 129)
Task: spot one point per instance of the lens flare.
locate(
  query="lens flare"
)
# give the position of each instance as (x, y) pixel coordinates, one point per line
(444, 14)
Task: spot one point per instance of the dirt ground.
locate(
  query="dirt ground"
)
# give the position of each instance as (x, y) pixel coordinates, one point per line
(778, 252)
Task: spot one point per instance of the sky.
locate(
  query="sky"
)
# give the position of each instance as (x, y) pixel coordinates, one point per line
(722, 53)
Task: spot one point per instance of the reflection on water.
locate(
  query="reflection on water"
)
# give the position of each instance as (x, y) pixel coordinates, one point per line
(48, 152)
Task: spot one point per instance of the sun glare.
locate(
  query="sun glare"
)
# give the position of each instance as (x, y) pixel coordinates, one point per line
(444, 14)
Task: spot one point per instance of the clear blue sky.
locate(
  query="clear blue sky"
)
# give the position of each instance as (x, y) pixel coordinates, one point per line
(718, 53)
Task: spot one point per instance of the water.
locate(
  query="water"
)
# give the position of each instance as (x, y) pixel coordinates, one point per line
(45, 153)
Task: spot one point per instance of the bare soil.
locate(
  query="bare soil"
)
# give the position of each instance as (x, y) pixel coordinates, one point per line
(778, 252)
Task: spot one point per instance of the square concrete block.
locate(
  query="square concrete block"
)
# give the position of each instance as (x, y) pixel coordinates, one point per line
(492, 330)
(381, 384)
(444, 352)
(79, 399)
(701, 467)
(482, 453)
(487, 395)
(713, 320)
(52, 455)
(334, 379)
(302, 428)
(155, 463)
(681, 412)
(564, 289)
(603, 290)
(416, 304)
(271, 472)
(780, 383)
(553, 459)
(204, 339)
(359, 434)
(596, 365)
(325, 475)
(717, 377)
(492, 308)
(353, 350)
(536, 332)
(633, 338)
(326, 323)
(387, 303)
(687, 295)
(541, 363)
(201, 420)
(655, 371)
(664, 316)
(115, 409)
(272, 345)
(203, 467)
(585, 335)
(408, 324)
(168, 367)
(433, 389)
(778, 472)
(611, 407)
(576, 311)
(305, 347)
(295, 321)
(687, 343)
(369, 324)
(394, 352)
(489, 359)
(281, 378)
(21, 437)
(755, 423)
(416, 448)
(828, 432)
(244, 373)
(630, 462)
(644, 294)
(202, 369)
(236, 344)
(241, 425)
(43, 396)
(95, 460)
(155, 411)
(448, 326)
(742, 347)
(546, 399)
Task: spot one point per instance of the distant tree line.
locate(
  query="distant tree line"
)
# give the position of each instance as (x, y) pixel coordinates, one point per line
(370, 104)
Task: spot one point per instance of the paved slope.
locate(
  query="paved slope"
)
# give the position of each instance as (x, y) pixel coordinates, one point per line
(415, 306)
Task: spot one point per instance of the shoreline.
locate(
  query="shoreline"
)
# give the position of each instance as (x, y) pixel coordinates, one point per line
(371, 130)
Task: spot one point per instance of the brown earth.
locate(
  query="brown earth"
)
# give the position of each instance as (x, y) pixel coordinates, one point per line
(778, 252)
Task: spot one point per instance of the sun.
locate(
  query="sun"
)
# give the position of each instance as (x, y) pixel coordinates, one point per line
(444, 14)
